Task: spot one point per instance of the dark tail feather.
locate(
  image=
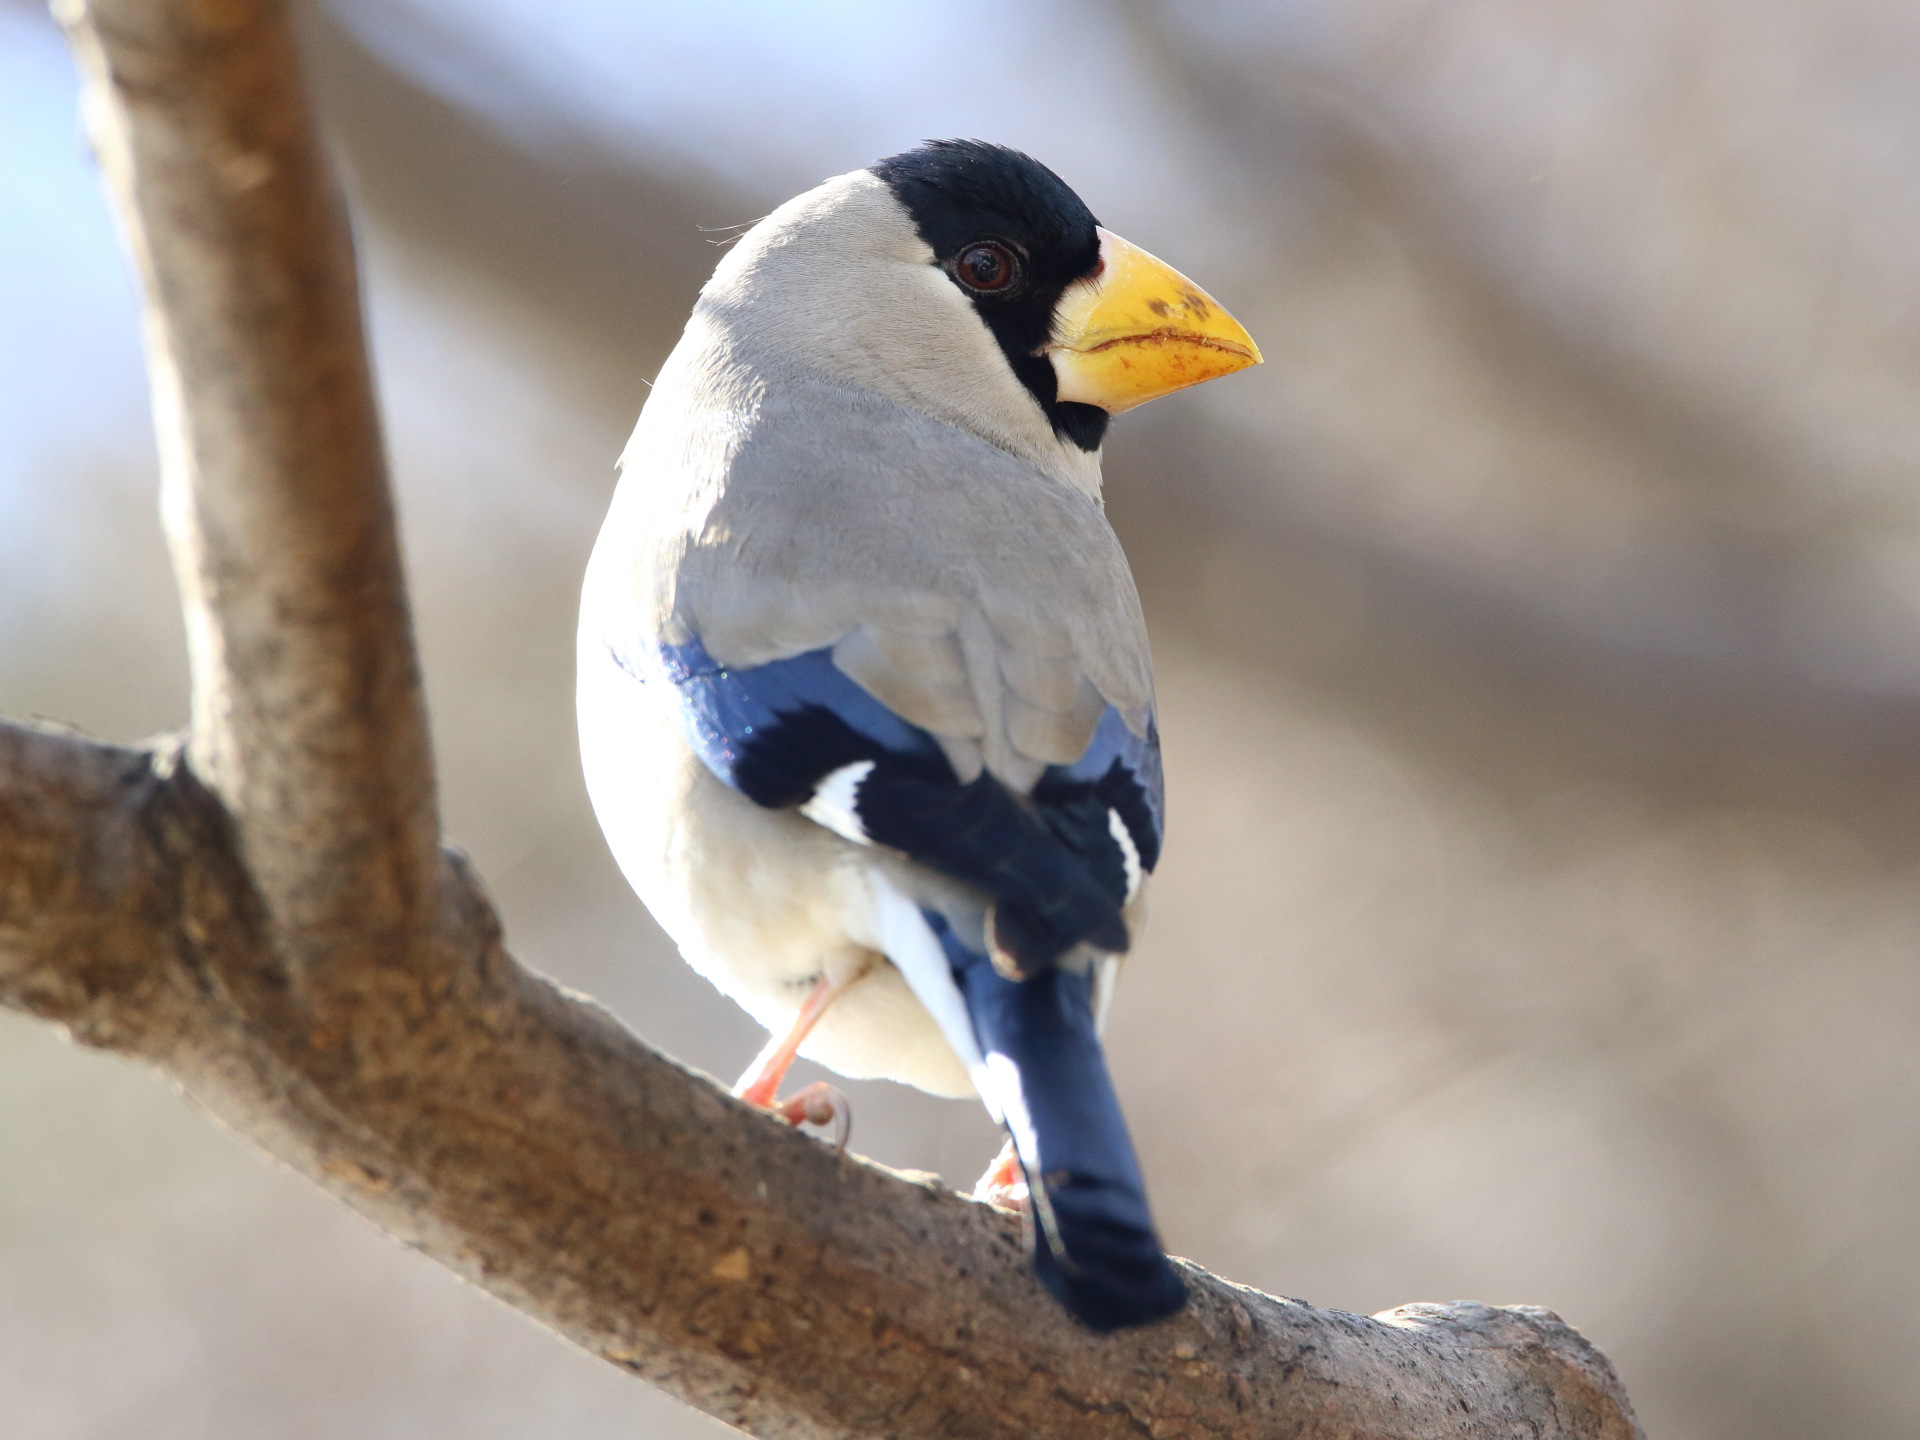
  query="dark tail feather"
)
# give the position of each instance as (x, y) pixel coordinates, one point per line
(1095, 1246)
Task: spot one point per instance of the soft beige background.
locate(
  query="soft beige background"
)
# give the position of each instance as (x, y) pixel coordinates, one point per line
(1539, 636)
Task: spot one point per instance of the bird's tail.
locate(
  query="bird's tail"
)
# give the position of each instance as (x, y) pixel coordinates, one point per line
(1044, 1076)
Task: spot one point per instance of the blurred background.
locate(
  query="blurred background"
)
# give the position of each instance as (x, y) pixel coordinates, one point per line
(1539, 639)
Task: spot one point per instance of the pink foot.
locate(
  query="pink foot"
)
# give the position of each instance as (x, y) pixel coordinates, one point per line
(1004, 1186)
(818, 1104)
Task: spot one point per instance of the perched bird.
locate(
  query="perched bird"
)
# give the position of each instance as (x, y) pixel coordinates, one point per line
(866, 707)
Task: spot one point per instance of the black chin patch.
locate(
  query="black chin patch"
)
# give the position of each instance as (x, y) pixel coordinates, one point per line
(961, 192)
(1084, 425)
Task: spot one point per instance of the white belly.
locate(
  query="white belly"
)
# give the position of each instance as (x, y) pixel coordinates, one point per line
(760, 902)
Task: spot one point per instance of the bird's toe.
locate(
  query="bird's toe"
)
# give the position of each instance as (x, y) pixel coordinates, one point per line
(822, 1105)
(1004, 1186)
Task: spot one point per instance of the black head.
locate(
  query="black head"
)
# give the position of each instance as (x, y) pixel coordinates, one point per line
(1012, 236)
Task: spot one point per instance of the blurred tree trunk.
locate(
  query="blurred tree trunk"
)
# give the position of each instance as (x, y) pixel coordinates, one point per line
(265, 913)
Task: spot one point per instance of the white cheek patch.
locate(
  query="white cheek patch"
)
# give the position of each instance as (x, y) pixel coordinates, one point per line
(1129, 852)
(835, 802)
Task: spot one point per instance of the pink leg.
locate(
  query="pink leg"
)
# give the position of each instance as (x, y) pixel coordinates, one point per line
(762, 1080)
(1004, 1186)
(819, 1103)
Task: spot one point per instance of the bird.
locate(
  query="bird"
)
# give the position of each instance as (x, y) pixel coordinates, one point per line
(865, 699)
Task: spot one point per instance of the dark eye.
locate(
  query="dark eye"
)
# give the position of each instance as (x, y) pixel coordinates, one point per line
(987, 266)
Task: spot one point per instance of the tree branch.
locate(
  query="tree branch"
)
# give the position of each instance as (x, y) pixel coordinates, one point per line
(308, 719)
(521, 1137)
(265, 915)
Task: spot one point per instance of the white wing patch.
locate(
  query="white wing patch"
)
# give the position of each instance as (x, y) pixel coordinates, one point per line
(1123, 837)
(836, 799)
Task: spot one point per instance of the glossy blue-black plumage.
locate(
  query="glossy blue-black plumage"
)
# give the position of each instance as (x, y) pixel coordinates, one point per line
(1052, 864)
(1094, 1242)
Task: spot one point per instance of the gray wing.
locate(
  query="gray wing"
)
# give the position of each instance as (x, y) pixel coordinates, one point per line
(975, 596)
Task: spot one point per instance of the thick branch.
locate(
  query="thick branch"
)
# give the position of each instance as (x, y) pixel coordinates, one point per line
(520, 1136)
(271, 924)
(307, 713)
(84, 927)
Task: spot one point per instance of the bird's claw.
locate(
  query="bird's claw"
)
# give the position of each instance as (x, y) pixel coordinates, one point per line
(1004, 1186)
(819, 1104)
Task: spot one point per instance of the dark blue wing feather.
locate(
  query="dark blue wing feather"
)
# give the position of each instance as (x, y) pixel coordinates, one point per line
(1118, 775)
(1124, 768)
(775, 731)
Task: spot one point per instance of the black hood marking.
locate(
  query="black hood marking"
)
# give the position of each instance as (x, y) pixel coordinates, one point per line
(962, 191)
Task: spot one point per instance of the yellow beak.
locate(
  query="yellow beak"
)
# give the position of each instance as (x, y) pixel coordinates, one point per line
(1139, 329)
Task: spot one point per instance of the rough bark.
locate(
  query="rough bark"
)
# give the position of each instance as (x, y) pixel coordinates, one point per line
(263, 913)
